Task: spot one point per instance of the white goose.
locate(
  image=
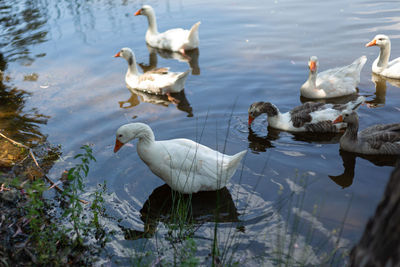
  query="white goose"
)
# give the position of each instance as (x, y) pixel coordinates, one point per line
(381, 65)
(309, 117)
(333, 82)
(158, 81)
(177, 40)
(380, 139)
(186, 166)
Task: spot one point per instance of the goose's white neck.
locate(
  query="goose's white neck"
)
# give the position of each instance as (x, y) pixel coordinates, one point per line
(312, 79)
(144, 133)
(132, 69)
(151, 18)
(384, 55)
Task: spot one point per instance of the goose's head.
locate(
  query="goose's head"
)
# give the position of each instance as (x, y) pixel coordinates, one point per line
(128, 132)
(125, 53)
(145, 10)
(258, 108)
(348, 116)
(380, 40)
(313, 64)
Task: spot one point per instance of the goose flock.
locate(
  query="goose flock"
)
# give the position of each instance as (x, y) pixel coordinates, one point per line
(189, 167)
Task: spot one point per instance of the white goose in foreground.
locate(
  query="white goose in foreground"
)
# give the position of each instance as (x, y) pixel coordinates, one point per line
(333, 82)
(177, 40)
(158, 81)
(380, 139)
(381, 65)
(186, 166)
(309, 117)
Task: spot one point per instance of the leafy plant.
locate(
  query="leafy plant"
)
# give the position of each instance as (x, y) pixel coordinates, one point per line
(74, 213)
(67, 234)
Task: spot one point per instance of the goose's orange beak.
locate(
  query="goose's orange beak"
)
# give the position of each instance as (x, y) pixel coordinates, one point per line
(338, 119)
(312, 65)
(117, 146)
(251, 119)
(139, 12)
(372, 43)
(117, 54)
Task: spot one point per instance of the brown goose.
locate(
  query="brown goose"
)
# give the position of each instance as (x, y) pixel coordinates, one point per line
(380, 139)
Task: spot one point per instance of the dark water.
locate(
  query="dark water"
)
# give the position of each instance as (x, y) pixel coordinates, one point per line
(250, 51)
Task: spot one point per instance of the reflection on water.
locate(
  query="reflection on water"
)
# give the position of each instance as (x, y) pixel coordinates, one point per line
(21, 27)
(336, 100)
(349, 162)
(259, 143)
(17, 123)
(166, 205)
(380, 92)
(183, 103)
(192, 58)
(262, 143)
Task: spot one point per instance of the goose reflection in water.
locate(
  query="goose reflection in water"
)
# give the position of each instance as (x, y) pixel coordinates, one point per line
(380, 90)
(336, 100)
(181, 101)
(349, 162)
(259, 143)
(192, 58)
(164, 204)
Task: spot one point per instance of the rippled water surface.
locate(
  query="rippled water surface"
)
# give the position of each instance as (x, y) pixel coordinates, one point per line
(249, 51)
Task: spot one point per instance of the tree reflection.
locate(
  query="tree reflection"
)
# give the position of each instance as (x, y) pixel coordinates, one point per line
(15, 122)
(22, 26)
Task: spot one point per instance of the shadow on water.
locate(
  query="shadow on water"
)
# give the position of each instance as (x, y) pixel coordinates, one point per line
(139, 96)
(349, 162)
(192, 59)
(164, 203)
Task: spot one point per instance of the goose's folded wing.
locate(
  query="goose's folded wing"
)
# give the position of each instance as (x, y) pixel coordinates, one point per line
(185, 158)
(375, 129)
(307, 107)
(300, 115)
(386, 141)
(158, 71)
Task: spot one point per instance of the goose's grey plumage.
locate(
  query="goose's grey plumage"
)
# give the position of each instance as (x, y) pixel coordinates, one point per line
(380, 139)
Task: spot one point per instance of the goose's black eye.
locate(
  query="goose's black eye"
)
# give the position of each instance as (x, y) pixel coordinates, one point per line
(119, 136)
(380, 39)
(346, 115)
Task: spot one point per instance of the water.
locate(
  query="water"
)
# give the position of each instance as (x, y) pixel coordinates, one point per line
(250, 51)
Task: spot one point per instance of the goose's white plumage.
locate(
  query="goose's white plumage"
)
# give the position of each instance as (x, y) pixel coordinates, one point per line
(309, 117)
(186, 166)
(380, 139)
(382, 65)
(177, 40)
(158, 81)
(332, 83)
